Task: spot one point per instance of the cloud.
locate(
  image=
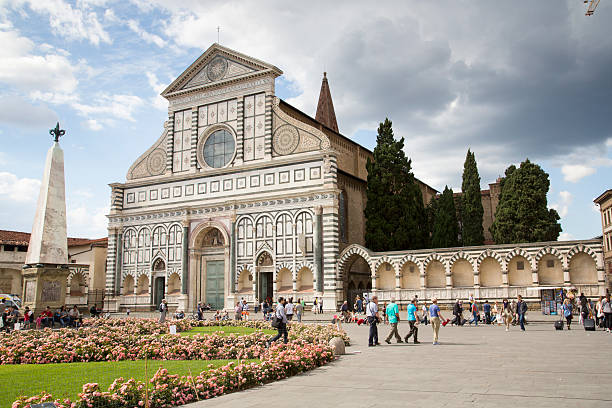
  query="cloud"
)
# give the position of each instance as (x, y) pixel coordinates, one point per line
(83, 221)
(93, 124)
(576, 172)
(148, 37)
(16, 111)
(158, 101)
(112, 106)
(24, 69)
(78, 23)
(22, 190)
(565, 236)
(562, 205)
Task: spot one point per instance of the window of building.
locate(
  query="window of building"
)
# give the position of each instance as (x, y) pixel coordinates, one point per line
(219, 148)
(22, 248)
(342, 216)
(520, 265)
(9, 248)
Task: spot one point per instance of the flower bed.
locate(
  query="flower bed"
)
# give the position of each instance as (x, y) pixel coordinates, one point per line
(165, 390)
(136, 339)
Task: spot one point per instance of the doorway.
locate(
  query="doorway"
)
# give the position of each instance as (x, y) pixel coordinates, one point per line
(215, 284)
(159, 290)
(265, 287)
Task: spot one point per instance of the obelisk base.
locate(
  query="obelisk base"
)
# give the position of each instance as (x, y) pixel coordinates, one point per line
(44, 286)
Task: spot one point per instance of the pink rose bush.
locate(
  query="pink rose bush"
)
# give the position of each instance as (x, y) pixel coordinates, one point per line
(165, 390)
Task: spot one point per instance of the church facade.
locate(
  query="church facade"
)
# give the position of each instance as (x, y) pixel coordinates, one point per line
(242, 196)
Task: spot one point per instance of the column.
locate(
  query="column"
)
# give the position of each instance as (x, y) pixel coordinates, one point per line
(118, 259)
(535, 280)
(232, 273)
(185, 258)
(318, 249)
(566, 277)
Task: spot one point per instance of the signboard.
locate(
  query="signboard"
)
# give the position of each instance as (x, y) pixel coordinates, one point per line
(172, 329)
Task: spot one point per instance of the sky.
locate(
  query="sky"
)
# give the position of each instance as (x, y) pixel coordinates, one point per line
(509, 80)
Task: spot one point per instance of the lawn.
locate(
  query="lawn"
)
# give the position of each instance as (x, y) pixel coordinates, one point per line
(224, 330)
(67, 379)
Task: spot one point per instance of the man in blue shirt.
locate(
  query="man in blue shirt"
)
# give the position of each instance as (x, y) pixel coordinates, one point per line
(412, 321)
(435, 315)
(392, 312)
(487, 311)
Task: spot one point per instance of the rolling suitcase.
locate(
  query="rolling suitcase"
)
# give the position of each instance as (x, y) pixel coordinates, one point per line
(589, 324)
(559, 325)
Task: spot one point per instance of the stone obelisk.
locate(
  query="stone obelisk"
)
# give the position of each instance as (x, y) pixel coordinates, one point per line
(45, 272)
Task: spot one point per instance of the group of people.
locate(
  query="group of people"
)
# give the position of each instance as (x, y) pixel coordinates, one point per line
(63, 316)
(506, 313)
(600, 312)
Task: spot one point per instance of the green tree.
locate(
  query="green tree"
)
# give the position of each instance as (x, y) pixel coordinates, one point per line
(472, 232)
(522, 214)
(445, 228)
(395, 215)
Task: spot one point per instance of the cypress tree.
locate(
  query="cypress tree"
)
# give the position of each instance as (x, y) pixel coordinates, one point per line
(445, 229)
(472, 232)
(522, 214)
(395, 215)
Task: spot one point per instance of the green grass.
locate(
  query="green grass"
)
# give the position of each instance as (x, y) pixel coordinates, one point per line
(227, 330)
(67, 379)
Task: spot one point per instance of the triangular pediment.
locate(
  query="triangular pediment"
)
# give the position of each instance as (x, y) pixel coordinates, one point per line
(216, 66)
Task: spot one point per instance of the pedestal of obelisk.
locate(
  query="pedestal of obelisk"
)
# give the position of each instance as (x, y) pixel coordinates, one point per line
(45, 272)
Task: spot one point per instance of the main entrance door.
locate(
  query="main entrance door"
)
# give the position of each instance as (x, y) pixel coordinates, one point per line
(265, 279)
(215, 283)
(158, 293)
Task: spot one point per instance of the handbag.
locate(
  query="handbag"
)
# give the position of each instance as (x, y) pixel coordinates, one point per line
(275, 321)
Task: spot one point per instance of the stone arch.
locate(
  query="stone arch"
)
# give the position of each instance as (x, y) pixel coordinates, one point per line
(490, 271)
(582, 268)
(128, 285)
(384, 259)
(410, 274)
(516, 275)
(435, 272)
(408, 258)
(174, 284)
(462, 271)
(385, 274)
(142, 287)
(244, 280)
(582, 248)
(284, 280)
(490, 254)
(77, 283)
(550, 269)
(547, 250)
(460, 255)
(349, 253)
(158, 264)
(305, 281)
(519, 252)
(282, 265)
(434, 257)
(199, 233)
(263, 256)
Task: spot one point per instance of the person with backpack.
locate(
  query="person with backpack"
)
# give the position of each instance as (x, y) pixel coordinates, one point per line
(521, 311)
(281, 322)
(474, 310)
(373, 318)
(567, 312)
(606, 307)
(163, 310)
(458, 313)
(487, 312)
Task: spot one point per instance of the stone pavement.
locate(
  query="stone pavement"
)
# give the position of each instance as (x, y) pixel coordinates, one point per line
(473, 366)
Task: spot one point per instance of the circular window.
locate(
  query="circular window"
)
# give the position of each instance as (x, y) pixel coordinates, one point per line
(219, 148)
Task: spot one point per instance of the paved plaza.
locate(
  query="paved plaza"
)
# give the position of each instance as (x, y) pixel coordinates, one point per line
(473, 366)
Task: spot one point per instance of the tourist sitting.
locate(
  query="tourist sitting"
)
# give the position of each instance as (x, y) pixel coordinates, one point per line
(200, 311)
(207, 306)
(62, 316)
(76, 319)
(12, 317)
(93, 311)
(217, 315)
(225, 316)
(28, 318)
(238, 311)
(179, 315)
(46, 318)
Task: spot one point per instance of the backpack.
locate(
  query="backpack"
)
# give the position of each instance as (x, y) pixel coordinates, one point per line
(161, 307)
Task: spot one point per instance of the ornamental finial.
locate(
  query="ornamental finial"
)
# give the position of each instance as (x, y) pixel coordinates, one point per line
(57, 132)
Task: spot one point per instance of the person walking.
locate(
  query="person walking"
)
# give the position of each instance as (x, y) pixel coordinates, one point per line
(392, 313)
(282, 324)
(474, 311)
(315, 306)
(599, 315)
(238, 311)
(359, 305)
(521, 311)
(507, 313)
(487, 311)
(163, 310)
(567, 313)
(498, 314)
(425, 312)
(606, 307)
(299, 309)
(458, 313)
(321, 306)
(289, 309)
(413, 321)
(373, 318)
(435, 316)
